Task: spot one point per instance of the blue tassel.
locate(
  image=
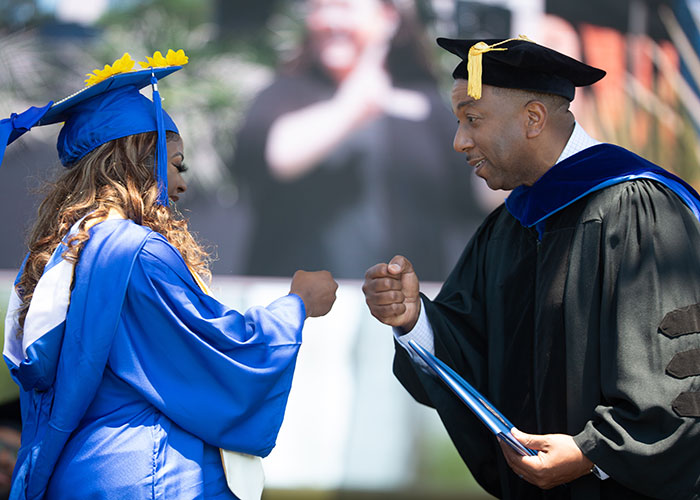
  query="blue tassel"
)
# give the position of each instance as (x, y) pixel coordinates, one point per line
(161, 165)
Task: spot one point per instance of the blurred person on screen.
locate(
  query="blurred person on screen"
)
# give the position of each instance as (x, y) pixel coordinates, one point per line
(336, 151)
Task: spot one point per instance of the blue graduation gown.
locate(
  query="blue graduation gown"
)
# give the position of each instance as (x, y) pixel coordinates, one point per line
(134, 391)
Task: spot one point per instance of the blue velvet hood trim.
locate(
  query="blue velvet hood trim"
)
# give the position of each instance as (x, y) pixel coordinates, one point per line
(585, 172)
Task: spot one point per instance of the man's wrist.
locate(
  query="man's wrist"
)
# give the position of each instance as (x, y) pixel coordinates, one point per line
(412, 324)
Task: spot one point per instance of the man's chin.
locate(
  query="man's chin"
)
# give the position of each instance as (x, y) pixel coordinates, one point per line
(497, 184)
(493, 184)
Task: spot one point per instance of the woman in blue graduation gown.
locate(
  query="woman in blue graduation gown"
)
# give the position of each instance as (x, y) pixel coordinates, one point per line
(133, 378)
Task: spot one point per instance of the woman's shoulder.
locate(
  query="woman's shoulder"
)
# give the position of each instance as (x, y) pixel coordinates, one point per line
(150, 252)
(124, 236)
(118, 235)
(161, 259)
(158, 250)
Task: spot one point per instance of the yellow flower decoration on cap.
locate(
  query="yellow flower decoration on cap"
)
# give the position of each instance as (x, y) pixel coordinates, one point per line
(125, 64)
(474, 66)
(122, 65)
(172, 58)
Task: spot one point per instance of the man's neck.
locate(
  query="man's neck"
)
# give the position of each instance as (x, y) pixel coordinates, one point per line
(578, 141)
(551, 148)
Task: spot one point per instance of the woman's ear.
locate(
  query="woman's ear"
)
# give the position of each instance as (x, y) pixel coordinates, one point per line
(536, 116)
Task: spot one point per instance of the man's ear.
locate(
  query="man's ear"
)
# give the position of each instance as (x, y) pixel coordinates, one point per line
(536, 118)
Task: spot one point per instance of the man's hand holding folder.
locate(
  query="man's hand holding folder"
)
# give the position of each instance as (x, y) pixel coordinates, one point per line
(543, 460)
(482, 408)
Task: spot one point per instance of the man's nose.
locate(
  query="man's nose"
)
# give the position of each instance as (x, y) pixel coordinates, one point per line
(462, 141)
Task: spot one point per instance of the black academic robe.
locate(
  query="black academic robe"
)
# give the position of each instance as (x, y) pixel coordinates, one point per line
(573, 333)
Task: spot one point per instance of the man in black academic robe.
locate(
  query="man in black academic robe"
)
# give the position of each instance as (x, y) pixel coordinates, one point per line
(575, 308)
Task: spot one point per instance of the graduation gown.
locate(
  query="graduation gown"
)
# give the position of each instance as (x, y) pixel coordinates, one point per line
(132, 381)
(582, 319)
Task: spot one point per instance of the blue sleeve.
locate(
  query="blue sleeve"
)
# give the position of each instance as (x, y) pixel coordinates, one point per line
(221, 375)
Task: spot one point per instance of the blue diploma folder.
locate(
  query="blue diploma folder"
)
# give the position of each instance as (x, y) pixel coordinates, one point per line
(482, 408)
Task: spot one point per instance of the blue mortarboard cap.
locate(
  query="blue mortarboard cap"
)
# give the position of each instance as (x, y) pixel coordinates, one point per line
(521, 64)
(108, 110)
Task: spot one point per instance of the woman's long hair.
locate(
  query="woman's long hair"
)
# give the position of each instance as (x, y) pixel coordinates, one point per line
(117, 175)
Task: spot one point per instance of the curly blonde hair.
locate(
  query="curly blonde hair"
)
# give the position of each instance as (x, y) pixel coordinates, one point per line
(116, 175)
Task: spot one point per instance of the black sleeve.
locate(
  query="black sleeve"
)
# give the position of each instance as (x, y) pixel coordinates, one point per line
(457, 319)
(649, 288)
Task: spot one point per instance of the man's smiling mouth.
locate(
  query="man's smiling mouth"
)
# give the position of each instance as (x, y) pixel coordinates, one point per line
(478, 163)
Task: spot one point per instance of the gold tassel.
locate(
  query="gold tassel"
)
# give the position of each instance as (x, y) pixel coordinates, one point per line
(474, 63)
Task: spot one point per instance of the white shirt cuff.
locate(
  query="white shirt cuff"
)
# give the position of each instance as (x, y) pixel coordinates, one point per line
(422, 333)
